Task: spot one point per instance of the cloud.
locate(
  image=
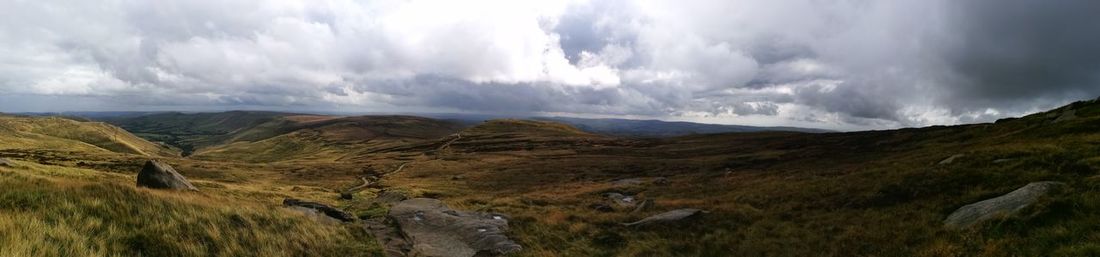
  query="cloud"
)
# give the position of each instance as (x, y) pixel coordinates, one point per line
(848, 64)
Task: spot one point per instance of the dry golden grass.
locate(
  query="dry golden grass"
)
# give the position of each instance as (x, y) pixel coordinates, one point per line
(59, 211)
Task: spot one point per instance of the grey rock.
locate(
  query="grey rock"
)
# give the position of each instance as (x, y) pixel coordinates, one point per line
(434, 230)
(622, 200)
(4, 162)
(322, 208)
(670, 216)
(1005, 205)
(158, 175)
(951, 159)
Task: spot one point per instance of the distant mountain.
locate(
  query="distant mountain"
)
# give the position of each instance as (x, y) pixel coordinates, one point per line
(657, 128)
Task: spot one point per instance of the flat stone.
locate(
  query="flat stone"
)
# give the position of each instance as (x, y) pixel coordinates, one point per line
(434, 230)
(1005, 205)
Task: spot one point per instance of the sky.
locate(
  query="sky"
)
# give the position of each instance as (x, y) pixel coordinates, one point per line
(843, 64)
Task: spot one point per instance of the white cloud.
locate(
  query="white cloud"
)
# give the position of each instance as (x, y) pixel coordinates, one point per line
(840, 64)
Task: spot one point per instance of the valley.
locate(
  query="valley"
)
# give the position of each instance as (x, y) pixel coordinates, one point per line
(564, 191)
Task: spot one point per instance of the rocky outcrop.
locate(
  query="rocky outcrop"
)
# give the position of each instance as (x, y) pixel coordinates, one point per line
(158, 175)
(1005, 205)
(434, 230)
(670, 216)
(319, 207)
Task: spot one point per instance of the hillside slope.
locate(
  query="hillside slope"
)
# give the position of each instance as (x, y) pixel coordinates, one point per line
(193, 131)
(320, 138)
(18, 132)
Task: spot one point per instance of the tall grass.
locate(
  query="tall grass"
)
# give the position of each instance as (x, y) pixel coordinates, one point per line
(55, 211)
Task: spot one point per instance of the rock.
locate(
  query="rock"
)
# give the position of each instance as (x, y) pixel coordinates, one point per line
(670, 216)
(393, 244)
(346, 195)
(158, 175)
(601, 207)
(327, 210)
(621, 200)
(1067, 115)
(434, 230)
(1002, 160)
(642, 206)
(627, 182)
(4, 162)
(951, 159)
(1004, 205)
(458, 177)
(661, 181)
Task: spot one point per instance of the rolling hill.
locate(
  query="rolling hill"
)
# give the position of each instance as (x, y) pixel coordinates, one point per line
(22, 132)
(775, 193)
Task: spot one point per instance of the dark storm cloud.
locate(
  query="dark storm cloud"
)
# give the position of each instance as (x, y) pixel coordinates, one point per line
(1012, 51)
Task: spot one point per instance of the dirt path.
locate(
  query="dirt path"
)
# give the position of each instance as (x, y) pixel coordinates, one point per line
(354, 189)
(387, 235)
(448, 144)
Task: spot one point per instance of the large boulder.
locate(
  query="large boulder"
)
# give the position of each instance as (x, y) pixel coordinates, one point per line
(158, 175)
(319, 207)
(434, 230)
(1005, 205)
(670, 216)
